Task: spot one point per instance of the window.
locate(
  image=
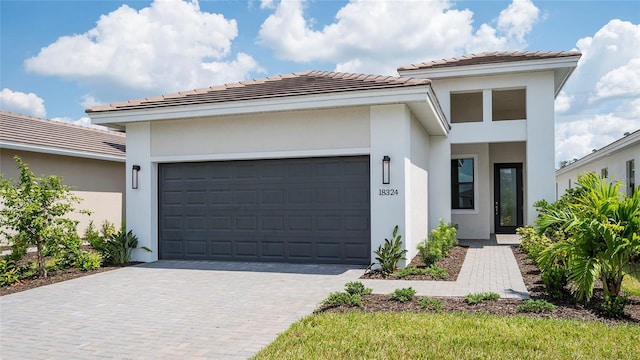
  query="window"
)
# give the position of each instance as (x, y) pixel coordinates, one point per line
(509, 104)
(631, 177)
(466, 107)
(604, 173)
(462, 186)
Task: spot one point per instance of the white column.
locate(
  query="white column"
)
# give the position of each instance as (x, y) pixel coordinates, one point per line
(141, 206)
(439, 180)
(390, 136)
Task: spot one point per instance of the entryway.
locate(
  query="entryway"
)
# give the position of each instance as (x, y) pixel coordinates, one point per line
(508, 195)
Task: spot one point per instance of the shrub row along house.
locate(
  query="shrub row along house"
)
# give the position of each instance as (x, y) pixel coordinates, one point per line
(615, 161)
(318, 167)
(90, 161)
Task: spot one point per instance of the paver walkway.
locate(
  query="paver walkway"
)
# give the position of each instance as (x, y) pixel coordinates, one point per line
(204, 310)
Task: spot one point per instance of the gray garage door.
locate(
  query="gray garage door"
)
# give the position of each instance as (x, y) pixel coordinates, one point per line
(312, 210)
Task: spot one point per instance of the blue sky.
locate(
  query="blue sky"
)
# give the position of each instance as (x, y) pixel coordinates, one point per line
(58, 57)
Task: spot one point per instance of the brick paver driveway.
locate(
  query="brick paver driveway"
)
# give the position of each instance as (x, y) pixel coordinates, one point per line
(167, 309)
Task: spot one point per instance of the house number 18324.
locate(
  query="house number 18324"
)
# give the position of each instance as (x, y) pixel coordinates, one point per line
(387, 192)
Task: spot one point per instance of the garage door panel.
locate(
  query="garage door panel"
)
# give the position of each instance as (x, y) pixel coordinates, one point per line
(290, 210)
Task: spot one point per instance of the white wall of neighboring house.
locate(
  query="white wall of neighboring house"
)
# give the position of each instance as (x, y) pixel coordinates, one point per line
(613, 157)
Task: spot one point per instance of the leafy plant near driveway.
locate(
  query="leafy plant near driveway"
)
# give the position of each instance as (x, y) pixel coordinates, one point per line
(603, 228)
(352, 296)
(115, 247)
(34, 214)
(390, 253)
(403, 294)
(477, 298)
(433, 271)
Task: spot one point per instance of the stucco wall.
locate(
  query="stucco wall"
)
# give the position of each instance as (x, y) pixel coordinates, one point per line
(100, 184)
(419, 177)
(615, 163)
(270, 132)
(475, 223)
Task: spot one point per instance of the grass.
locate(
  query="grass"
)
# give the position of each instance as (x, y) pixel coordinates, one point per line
(631, 282)
(450, 336)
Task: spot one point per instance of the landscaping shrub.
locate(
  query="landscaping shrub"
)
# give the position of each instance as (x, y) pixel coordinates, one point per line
(433, 271)
(88, 261)
(613, 306)
(441, 240)
(343, 298)
(431, 304)
(532, 242)
(536, 306)
(403, 295)
(477, 298)
(390, 253)
(9, 272)
(555, 278)
(356, 287)
(114, 247)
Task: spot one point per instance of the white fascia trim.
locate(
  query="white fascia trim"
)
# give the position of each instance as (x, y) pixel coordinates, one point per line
(261, 155)
(437, 109)
(495, 68)
(58, 151)
(608, 150)
(356, 98)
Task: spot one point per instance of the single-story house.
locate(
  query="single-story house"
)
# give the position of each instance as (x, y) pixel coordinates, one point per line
(318, 167)
(615, 161)
(90, 161)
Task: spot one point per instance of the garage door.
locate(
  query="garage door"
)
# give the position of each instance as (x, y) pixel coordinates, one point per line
(311, 210)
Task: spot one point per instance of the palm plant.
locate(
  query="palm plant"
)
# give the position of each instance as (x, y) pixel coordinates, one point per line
(603, 229)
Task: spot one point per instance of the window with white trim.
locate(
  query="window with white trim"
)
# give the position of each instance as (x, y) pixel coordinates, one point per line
(462, 184)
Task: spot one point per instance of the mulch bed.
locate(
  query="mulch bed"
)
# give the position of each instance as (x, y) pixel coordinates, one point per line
(451, 264)
(54, 276)
(568, 308)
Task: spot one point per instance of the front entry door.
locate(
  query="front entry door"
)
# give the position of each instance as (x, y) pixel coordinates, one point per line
(507, 197)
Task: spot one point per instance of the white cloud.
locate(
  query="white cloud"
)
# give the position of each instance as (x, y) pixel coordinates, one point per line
(169, 46)
(83, 121)
(393, 33)
(22, 103)
(601, 100)
(89, 101)
(267, 4)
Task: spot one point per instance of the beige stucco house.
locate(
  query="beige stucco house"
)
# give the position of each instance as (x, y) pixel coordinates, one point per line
(90, 161)
(318, 167)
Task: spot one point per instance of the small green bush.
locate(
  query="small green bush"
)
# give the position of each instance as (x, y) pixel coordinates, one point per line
(433, 271)
(88, 261)
(9, 272)
(480, 297)
(441, 240)
(389, 254)
(403, 295)
(533, 243)
(431, 304)
(356, 287)
(613, 306)
(555, 278)
(536, 306)
(343, 298)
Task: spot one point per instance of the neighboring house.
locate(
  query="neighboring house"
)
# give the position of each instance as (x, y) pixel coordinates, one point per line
(318, 167)
(616, 161)
(90, 161)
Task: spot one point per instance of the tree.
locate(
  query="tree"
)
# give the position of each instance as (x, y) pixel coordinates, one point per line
(32, 213)
(603, 229)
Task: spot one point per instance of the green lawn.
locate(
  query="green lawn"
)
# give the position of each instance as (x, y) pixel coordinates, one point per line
(450, 336)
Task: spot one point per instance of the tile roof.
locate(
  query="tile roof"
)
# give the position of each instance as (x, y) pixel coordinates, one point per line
(296, 84)
(490, 58)
(27, 130)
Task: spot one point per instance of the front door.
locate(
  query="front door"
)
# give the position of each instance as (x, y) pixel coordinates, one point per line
(507, 197)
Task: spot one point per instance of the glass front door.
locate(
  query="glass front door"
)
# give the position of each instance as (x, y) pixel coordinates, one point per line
(507, 197)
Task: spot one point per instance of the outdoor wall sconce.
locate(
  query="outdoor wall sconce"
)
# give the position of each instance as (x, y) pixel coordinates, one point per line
(134, 176)
(386, 169)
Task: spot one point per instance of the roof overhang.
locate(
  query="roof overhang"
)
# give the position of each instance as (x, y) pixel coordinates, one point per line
(420, 99)
(562, 68)
(59, 151)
